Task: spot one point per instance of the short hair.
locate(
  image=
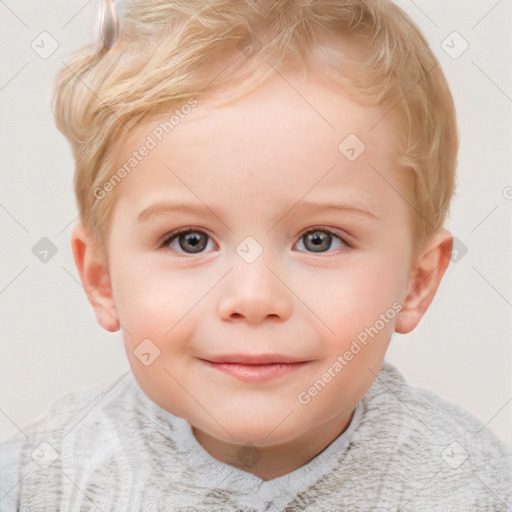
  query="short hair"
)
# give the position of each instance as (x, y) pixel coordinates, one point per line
(173, 50)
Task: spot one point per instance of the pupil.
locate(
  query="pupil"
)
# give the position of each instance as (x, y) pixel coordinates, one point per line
(320, 241)
(192, 241)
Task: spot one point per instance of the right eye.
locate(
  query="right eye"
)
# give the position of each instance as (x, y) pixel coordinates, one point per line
(189, 240)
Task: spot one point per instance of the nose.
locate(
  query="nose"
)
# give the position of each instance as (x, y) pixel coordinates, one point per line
(253, 292)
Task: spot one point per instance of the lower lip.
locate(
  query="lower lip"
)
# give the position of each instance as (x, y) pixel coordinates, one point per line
(256, 372)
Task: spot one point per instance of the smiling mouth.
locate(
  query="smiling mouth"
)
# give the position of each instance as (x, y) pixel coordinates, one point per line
(254, 359)
(255, 368)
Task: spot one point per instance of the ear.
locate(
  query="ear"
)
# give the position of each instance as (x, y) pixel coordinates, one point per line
(93, 270)
(424, 280)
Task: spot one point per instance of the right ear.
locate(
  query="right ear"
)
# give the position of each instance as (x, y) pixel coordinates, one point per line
(94, 274)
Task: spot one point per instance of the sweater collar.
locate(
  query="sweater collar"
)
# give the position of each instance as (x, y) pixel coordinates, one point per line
(213, 474)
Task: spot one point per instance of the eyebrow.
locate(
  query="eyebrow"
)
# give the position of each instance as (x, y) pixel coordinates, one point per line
(349, 206)
(166, 207)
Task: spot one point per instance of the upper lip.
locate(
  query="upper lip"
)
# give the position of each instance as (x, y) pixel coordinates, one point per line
(253, 359)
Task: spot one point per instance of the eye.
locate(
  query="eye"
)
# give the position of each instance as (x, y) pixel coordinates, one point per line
(194, 241)
(190, 241)
(320, 240)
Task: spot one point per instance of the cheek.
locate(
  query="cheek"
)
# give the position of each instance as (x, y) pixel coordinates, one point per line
(359, 305)
(357, 293)
(151, 300)
(154, 307)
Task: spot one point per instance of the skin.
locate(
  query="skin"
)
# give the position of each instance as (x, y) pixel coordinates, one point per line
(249, 163)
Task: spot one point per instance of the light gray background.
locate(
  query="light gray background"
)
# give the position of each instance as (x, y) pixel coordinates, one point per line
(50, 342)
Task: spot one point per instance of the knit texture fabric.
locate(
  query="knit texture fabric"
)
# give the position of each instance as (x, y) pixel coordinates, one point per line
(112, 449)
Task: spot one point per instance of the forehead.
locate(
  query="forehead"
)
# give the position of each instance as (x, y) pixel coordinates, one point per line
(289, 138)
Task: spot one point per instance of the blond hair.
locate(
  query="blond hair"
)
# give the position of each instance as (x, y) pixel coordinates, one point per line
(173, 50)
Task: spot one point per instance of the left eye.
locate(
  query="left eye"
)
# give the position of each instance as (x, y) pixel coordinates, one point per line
(319, 240)
(194, 241)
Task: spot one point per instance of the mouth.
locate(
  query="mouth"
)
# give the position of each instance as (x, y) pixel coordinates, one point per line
(255, 368)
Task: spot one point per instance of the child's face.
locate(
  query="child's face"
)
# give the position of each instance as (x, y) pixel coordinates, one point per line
(245, 176)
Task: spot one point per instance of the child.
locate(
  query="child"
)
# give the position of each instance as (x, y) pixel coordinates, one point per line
(307, 152)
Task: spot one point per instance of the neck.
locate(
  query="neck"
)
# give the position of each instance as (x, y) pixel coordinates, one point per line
(269, 462)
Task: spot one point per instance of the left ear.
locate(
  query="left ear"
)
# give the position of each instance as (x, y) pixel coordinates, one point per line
(424, 280)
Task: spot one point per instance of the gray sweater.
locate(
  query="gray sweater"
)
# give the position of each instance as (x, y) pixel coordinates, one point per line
(112, 449)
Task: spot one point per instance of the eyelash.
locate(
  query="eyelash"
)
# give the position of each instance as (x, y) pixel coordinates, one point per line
(168, 237)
